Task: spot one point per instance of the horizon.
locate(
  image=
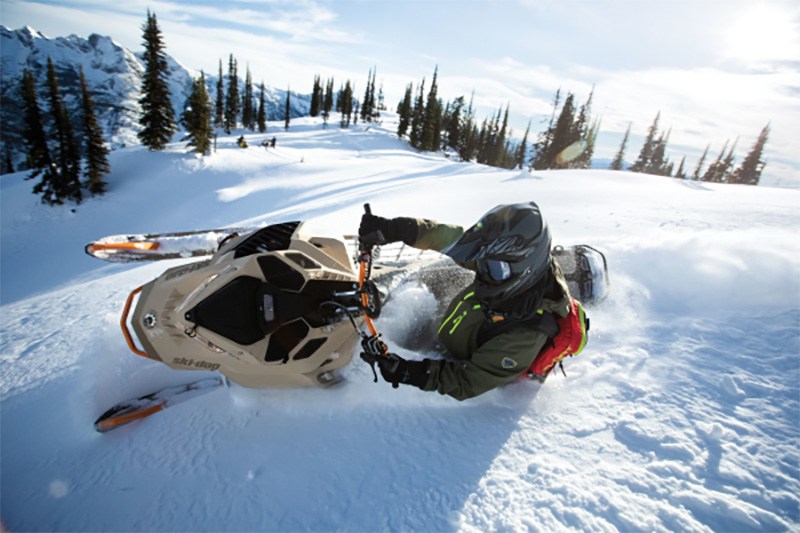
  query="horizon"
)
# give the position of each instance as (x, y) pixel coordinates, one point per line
(715, 71)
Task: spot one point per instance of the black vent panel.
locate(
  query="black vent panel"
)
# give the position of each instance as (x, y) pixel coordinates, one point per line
(269, 239)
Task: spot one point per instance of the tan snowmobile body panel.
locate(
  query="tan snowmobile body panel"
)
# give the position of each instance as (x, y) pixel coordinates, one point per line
(257, 311)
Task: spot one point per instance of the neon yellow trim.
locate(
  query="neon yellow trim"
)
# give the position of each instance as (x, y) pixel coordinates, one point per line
(457, 321)
(446, 320)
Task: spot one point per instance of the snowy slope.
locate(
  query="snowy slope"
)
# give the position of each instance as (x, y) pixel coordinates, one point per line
(683, 412)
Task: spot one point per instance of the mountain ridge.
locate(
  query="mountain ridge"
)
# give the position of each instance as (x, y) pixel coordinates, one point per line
(113, 74)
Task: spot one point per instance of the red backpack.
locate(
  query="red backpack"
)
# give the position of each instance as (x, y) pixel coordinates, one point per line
(567, 336)
(573, 332)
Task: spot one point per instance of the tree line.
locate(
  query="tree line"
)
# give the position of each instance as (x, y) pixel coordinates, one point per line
(568, 141)
(652, 159)
(425, 120)
(67, 162)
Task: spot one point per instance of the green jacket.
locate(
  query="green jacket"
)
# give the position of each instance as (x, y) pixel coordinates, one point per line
(469, 369)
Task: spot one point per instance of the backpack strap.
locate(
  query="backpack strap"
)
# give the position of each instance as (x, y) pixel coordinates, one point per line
(545, 323)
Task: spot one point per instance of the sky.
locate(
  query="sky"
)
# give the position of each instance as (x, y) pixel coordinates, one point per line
(717, 71)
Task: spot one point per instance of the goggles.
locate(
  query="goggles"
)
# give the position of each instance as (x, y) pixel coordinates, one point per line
(495, 270)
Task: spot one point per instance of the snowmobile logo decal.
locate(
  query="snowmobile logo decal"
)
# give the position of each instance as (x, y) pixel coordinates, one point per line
(508, 363)
(187, 269)
(204, 365)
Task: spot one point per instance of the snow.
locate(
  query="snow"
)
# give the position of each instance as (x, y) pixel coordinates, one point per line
(682, 413)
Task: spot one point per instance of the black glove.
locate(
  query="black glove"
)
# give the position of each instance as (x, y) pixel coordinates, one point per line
(375, 230)
(395, 370)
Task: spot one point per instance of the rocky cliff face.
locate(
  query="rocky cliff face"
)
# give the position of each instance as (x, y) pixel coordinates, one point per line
(114, 76)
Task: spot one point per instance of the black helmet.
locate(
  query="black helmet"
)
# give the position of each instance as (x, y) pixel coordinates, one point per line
(509, 248)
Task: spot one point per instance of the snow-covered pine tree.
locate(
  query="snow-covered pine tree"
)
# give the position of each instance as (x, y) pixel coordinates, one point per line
(97, 164)
(158, 118)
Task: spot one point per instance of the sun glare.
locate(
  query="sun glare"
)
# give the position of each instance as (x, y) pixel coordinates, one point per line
(762, 33)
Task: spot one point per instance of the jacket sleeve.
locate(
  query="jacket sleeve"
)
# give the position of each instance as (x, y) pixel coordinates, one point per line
(497, 362)
(432, 235)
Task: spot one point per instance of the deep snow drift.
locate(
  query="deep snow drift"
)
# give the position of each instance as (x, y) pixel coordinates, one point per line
(683, 412)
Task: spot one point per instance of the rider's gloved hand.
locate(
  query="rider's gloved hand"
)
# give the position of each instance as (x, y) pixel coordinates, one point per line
(375, 230)
(395, 370)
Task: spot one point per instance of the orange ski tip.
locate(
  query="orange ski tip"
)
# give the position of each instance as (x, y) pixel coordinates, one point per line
(111, 423)
(135, 245)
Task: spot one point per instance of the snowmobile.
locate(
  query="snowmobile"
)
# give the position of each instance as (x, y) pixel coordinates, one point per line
(277, 306)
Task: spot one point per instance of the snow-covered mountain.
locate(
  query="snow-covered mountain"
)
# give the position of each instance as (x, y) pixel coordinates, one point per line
(680, 415)
(114, 76)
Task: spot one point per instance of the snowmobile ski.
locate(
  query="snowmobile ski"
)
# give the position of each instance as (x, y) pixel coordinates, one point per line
(131, 410)
(159, 246)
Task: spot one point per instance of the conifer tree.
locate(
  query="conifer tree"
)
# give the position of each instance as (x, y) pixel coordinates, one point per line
(404, 112)
(248, 112)
(97, 164)
(499, 152)
(368, 104)
(523, 148)
(540, 161)
(197, 117)
(564, 134)
(316, 97)
(38, 153)
(715, 171)
(219, 109)
(749, 171)
(619, 159)
(262, 111)
(232, 98)
(658, 161)
(327, 103)
(158, 117)
(432, 118)
(681, 173)
(644, 160)
(585, 159)
(418, 117)
(346, 105)
(288, 110)
(699, 168)
(68, 156)
(469, 133)
(452, 123)
(726, 170)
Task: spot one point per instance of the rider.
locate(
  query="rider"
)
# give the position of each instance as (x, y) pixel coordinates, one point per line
(491, 330)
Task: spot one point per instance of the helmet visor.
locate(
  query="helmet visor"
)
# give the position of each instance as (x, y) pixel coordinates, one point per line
(495, 270)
